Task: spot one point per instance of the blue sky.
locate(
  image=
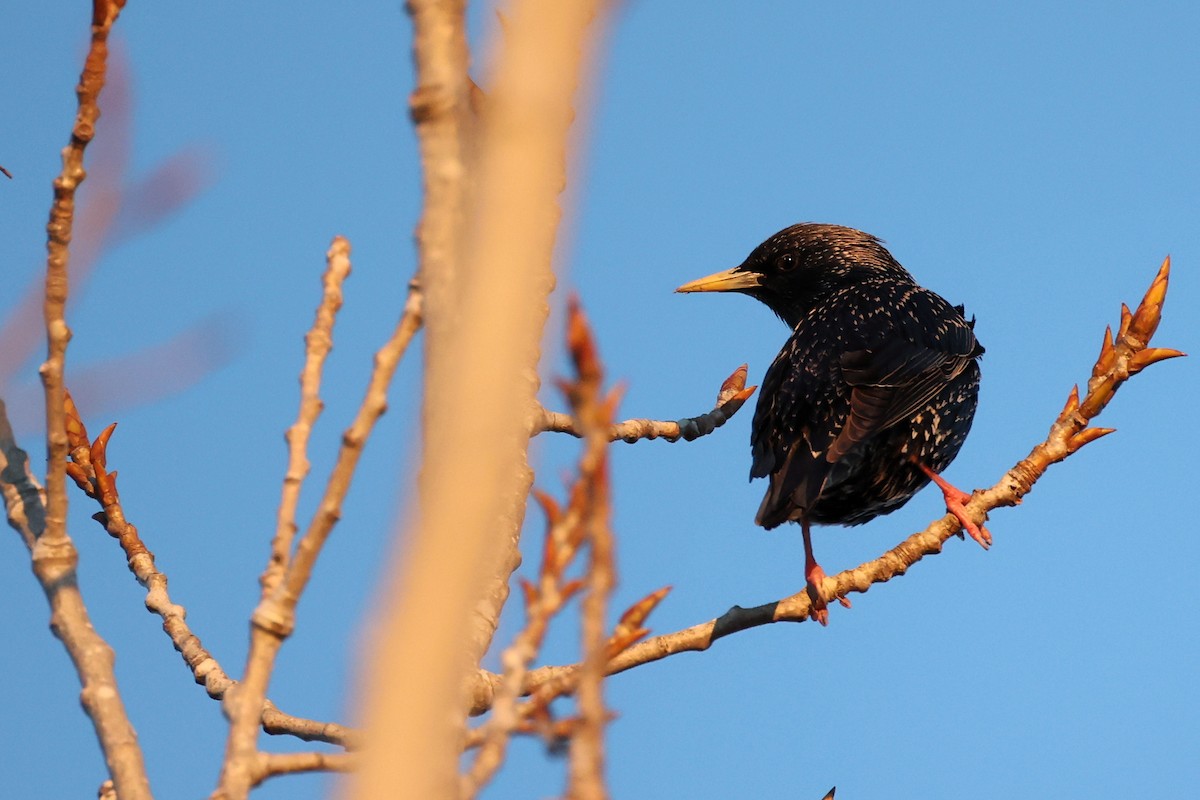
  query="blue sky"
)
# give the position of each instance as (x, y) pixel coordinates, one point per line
(1033, 161)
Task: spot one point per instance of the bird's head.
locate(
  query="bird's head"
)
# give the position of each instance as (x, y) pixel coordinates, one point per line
(792, 271)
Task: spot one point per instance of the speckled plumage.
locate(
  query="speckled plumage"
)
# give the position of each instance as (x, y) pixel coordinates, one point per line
(879, 378)
(877, 373)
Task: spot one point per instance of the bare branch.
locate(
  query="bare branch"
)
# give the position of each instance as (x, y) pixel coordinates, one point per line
(274, 619)
(732, 395)
(586, 770)
(355, 437)
(566, 531)
(54, 555)
(270, 765)
(317, 344)
(58, 242)
(277, 722)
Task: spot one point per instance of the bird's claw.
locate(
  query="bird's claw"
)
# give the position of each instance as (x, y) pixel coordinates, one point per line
(820, 609)
(956, 504)
(957, 507)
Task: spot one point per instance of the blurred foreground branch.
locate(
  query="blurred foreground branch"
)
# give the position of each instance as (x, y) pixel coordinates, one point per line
(582, 524)
(482, 342)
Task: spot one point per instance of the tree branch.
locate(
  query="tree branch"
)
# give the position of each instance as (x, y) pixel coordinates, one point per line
(317, 345)
(567, 530)
(271, 765)
(586, 754)
(54, 556)
(730, 397)
(275, 617)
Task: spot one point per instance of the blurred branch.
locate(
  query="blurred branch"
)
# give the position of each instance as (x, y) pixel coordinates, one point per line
(586, 765)
(275, 617)
(24, 497)
(486, 312)
(444, 109)
(1121, 357)
(118, 382)
(732, 394)
(583, 521)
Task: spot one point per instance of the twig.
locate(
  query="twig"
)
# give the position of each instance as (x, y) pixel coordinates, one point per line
(317, 344)
(274, 618)
(566, 531)
(54, 555)
(271, 765)
(276, 722)
(1121, 357)
(732, 395)
(58, 242)
(329, 511)
(586, 765)
(543, 601)
(88, 467)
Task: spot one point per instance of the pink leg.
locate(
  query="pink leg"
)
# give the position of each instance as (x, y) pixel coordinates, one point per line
(813, 574)
(956, 500)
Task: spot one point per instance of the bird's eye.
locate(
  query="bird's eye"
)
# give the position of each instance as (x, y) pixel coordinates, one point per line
(786, 262)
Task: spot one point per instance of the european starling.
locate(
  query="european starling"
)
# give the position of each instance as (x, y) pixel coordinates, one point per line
(871, 397)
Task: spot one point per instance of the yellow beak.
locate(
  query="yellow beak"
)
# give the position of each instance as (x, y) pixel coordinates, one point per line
(731, 280)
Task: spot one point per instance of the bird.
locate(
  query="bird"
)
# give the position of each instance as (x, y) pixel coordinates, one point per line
(872, 395)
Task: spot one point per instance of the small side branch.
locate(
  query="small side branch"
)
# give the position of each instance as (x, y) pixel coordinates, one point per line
(317, 345)
(271, 765)
(732, 395)
(586, 754)
(274, 618)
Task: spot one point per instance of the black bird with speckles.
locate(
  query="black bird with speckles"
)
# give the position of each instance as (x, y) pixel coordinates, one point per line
(873, 394)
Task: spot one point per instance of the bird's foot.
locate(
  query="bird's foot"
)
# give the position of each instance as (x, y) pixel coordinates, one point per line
(820, 609)
(956, 504)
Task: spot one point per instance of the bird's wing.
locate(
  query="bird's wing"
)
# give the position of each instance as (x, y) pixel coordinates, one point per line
(890, 384)
(794, 423)
(817, 405)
